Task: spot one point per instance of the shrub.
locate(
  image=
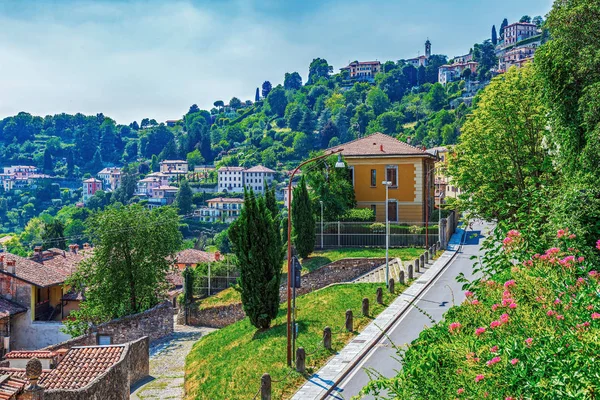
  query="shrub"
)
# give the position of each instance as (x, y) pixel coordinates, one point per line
(358, 215)
(377, 227)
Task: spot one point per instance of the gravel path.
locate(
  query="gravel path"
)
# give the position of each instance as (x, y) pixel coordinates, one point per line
(167, 361)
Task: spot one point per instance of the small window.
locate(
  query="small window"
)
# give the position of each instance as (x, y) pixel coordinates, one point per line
(392, 174)
(373, 177)
(104, 340)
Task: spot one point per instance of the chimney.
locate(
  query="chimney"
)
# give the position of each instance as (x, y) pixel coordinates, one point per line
(1, 263)
(217, 255)
(73, 248)
(381, 147)
(86, 246)
(11, 266)
(37, 251)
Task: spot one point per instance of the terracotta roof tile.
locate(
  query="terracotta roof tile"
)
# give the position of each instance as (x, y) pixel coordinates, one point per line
(259, 168)
(226, 200)
(40, 275)
(10, 387)
(81, 365)
(193, 256)
(20, 372)
(230, 169)
(8, 308)
(377, 145)
(25, 354)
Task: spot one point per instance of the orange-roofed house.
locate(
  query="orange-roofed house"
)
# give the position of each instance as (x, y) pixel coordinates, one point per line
(377, 158)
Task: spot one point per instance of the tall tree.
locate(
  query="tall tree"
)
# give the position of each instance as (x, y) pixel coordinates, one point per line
(292, 81)
(494, 35)
(271, 202)
(48, 165)
(126, 273)
(333, 186)
(538, 21)
(184, 198)
(303, 221)
(525, 18)
(277, 101)
(193, 109)
(257, 95)
(502, 26)
(319, 68)
(53, 234)
(235, 103)
(219, 104)
(378, 100)
(259, 254)
(501, 163)
(266, 88)
(97, 161)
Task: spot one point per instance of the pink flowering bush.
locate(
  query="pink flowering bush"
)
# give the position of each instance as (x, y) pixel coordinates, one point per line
(534, 332)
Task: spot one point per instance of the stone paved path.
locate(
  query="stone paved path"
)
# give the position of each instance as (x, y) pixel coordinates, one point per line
(167, 361)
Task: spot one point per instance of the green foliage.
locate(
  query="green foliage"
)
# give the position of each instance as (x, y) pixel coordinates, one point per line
(188, 285)
(333, 187)
(184, 198)
(358, 215)
(257, 246)
(126, 272)
(53, 235)
(277, 101)
(303, 221)
(378, 101)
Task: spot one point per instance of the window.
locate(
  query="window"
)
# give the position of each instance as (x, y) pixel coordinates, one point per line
(351, 174)
(374, 209)
(393, 211)
(104, 340)
(391, 174)
(373, 177)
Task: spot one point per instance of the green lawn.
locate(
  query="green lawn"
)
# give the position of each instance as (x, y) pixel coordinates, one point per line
(228, 363)
(323, 257)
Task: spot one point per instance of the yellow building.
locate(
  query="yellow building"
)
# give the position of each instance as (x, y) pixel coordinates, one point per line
(444, 188)
(377, 158)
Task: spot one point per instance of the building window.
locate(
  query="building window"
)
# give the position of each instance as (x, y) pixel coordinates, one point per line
(374, 209)
(393, 211)
(391, 174)
(104, 340)
(373, 177)
(351, 174)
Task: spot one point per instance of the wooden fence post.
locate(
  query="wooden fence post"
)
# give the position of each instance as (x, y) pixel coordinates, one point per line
(327, 338)
(265, 387)
(349, 321)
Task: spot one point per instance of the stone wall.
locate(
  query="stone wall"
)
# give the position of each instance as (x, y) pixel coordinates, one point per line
(138, 360)
(345, 270)
(154, 323)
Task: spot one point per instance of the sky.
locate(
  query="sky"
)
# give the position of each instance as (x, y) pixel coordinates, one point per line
(133, 59)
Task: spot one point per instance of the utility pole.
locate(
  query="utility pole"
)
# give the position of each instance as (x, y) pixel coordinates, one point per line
(387, 233)
(321, 201)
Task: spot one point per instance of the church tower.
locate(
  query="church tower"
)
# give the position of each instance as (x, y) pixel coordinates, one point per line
(427, 48)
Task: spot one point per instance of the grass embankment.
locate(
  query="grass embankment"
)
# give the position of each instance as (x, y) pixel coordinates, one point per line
(532, 331)
(228, 364)
(324, 257)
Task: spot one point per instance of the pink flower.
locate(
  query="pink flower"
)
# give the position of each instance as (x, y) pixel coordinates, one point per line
(572, 236)
(598, 244)
(506, 294)
(494, 349)
(552, 250)
(580, 259)
(495, 324)
(514, 361)
(479, 378)
(468, 293)
(512, 306)
(495, 306)
(515, 233)
(493, 361)
(475, 302)
(460, 391)
(550, 313)
(454, 326)
(510, 283)
(557, 301)
(528, 341)
(507, 241)
(510, 398)
(595, 315)
(479, 331)
(593, 274)
(590, 307)
(560, 233)
(560, 317)
(504, 318)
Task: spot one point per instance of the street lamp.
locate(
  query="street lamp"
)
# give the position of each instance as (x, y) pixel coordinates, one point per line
(387, 185)
(338, 164)
(321, 201)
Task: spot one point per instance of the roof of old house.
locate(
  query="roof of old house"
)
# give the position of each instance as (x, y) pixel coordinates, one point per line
(175, 278)
(225, 200)
(193, 256)
(9, 308)
(62, 260)
(37, 274)
(234, 169)
(92, 180)
(81, 365)
(173, 162)
(10, 387)
(259, 168)
(167, 188)
(379, 145)
(27, 354)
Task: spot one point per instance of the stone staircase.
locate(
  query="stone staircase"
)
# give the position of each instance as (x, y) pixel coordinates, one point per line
(378, 274)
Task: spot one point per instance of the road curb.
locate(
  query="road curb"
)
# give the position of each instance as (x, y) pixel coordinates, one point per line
(349, 367)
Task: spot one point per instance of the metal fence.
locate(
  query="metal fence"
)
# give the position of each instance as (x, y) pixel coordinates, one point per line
(205, 286)
(372, 234)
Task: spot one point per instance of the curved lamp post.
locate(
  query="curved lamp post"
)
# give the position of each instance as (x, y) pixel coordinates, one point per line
(338, 164)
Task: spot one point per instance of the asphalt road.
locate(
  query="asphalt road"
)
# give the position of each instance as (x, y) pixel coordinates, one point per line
(436, 300)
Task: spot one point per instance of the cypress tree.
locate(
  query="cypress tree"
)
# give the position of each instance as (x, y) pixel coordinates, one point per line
(257, 245)
(494, 35)
(502, 26)
(303, 221)
(184, 198)
(257, 95)
(271, 201)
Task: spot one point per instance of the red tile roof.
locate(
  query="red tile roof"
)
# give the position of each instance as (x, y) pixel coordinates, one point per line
(231, 169)
(25, 354)
(193, 256)
(10, 387)
(259, 168)
(8, 308)
(225, 200)
(20, 372)
(81, 365)
(37, 274)
(379, 145)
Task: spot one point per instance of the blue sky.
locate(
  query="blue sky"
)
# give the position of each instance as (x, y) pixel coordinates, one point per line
(136, 59)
